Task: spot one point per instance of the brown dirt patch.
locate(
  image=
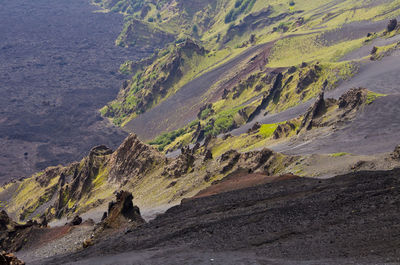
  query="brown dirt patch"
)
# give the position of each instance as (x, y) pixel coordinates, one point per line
(240, 180)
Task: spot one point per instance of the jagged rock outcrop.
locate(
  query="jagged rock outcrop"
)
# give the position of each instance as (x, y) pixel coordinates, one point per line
(13, 236)
(122, 212)
(347, 107)
(10, 259)
(265, 161)
(283, 130)
(352, 99)
(152, 83)
(182, 164)
(274, 78)
(133, 158)
(81, 186)
(315, 111)
(308, 78)
(205, 112)
(141, 35)
(5, 221)
(77, 179)
(208, 155)
(255, 128)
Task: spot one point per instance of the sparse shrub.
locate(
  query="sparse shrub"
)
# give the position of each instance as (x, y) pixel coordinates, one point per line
(166, 138)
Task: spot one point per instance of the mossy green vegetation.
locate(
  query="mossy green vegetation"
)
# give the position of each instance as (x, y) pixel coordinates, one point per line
(267, 130)
(166, 138)
(308, 48)
(30, 195)
(372, 96)
(261, 138)
(340, 154)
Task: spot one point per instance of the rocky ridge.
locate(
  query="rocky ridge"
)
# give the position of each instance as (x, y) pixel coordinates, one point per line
(76, 188)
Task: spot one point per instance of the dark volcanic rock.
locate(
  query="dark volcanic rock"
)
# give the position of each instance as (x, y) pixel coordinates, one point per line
(10, 259)
(308, 78)
(133, 157)
(283, 130)
(13, 236)
(353, 98)
(296, 221)
(76, 221)
(254, 128)
(392, 25)
(122, 211)
(4, 220)
(315, 111)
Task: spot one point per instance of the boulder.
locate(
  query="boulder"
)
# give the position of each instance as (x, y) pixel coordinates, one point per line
(392, 25)
(76, 221)
(87, 243)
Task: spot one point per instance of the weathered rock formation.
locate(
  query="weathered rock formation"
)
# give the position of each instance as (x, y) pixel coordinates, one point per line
(9, 259)
(283, 130)
(122, 212)
(316, 110)
(133, 158)
(13, 236)
(352, 99)
(346, 109)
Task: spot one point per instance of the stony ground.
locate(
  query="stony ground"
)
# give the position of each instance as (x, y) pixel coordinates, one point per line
(350, 219)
